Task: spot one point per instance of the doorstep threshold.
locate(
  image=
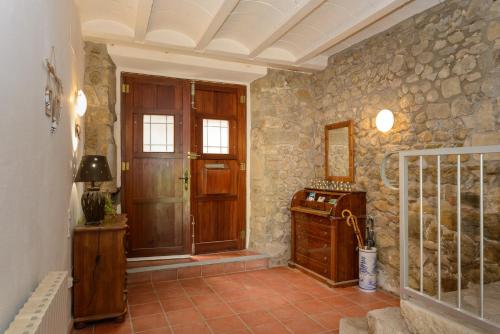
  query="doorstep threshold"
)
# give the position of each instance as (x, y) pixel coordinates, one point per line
(199, 263)
(155, 258)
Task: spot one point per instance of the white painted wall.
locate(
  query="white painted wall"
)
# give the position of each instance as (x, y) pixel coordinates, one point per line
(37, 193)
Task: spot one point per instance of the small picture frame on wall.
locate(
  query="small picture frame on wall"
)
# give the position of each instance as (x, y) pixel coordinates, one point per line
(311, 197)
(321, 199)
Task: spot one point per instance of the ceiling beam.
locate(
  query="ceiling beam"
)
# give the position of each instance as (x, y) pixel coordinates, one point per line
(218, 20)
(358, 23)
(288, 23)
(306, 67)
(144, 8)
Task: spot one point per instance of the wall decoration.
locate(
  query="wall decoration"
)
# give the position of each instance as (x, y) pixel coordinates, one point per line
(53, 92)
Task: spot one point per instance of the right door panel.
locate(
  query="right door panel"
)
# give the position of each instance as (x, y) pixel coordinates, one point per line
(218, 198)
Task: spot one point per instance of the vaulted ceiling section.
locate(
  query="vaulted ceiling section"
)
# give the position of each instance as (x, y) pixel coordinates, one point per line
(295, 34)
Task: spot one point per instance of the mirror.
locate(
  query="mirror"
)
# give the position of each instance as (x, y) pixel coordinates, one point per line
(339, 152)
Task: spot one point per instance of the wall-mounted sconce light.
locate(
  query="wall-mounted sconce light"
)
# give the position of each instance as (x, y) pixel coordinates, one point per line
(80, 109)
(80, 103)
(384, 120)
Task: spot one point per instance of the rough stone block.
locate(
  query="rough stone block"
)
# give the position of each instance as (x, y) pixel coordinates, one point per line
(425, 320)
(438, 111)
(493, 31)
(386, 321)
(450, 87)
(491, 85)
(465, 65)
(397, 63)
(353, 325)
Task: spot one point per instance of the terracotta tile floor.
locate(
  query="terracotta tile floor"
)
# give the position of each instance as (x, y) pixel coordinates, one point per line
(278, 300)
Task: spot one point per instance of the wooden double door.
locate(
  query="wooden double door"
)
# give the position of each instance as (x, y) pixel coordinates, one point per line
(183, 165)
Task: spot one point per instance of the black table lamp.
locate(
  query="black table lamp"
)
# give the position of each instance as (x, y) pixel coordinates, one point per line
(93, 168)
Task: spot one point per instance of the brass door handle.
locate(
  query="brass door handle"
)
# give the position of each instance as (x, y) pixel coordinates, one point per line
(186, 180)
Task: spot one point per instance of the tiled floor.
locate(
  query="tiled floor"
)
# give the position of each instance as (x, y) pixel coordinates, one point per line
(279, 300)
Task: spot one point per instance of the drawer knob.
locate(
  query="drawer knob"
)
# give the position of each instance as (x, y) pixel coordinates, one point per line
(325, 245)
(325, 233)
(325, 258)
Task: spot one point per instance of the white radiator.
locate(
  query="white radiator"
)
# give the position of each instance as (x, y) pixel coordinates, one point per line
(47, 311)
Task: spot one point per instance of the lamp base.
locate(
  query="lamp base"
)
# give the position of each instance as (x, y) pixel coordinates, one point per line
(97, 223)
(93, 202)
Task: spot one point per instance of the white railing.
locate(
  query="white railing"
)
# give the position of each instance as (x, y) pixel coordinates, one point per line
(436, 300)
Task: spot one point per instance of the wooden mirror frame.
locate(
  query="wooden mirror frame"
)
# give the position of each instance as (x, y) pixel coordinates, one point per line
(349, 125)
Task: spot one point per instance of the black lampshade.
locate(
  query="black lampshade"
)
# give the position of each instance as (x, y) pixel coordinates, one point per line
(93, 168)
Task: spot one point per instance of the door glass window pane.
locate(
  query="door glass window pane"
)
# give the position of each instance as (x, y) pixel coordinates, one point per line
(215, 136)
(158, 133)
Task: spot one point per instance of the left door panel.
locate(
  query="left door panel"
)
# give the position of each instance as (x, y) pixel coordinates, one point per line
(155, 195)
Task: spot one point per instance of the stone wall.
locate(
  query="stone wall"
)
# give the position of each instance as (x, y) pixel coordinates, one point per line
(282, 135)
(100, 89)
(439, 72)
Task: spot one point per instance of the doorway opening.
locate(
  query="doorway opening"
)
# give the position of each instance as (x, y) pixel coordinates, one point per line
(183, 165)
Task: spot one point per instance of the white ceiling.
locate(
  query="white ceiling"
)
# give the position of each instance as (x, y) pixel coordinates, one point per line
(295, 34)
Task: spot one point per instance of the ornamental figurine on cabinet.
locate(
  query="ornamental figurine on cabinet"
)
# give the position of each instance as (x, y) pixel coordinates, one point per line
(53, 93)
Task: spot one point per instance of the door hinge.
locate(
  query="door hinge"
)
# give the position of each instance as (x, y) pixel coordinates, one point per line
(243, 99)
(125, 88)
(125, 166)
(243, 166)
(193, 92)
(243, 234)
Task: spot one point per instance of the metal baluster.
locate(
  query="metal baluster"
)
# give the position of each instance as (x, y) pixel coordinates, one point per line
(481, 232)
(403, 230)
(459, 237)
(421, 228)
(439, 223)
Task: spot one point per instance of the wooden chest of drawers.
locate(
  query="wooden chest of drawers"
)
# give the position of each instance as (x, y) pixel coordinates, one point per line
(322, 243)
(99, 277)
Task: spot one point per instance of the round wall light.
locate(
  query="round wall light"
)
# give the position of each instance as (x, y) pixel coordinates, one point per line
(80, 103)
(384, 120)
